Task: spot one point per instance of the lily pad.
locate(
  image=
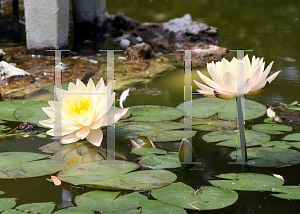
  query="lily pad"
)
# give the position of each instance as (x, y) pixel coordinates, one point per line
(156, 131)
(106, 201)
(132, 211)
(75, 210)
(226, 109)
(148, 151)
(170, 160)
(155, 207)
(152, 113)
(287, 192)
(270, 157)
(292, 137)
(7, 203)
(111, 175)
(276, 144)
(294, 144)
(8, 108)
(229, 137)
(22, 165)
(33, 113)
(206, 198)
(44, 208)
(211, 124)
(11, 211)
(1, 192)
(272, 128)
(247, 181)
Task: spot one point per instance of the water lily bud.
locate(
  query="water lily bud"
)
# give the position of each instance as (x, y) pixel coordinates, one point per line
(270, 113)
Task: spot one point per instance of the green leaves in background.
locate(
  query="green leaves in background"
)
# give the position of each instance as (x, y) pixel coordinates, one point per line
(276, 144)
(292, 137)
(45, 208)
(272, 128)
(106, 201)
(247, 181)
(228, 138)
(287, 192)
(152, 113)
(115, 176)
(25, 165)
(74, 210)
(170, 160)
(148, 151)
(156, 131)
(7, 203)
(270, 157)
(205, 198)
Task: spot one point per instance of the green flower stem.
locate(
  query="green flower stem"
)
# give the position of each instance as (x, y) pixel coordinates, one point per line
(241, 128)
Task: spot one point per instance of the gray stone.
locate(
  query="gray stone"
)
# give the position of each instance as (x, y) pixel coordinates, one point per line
(139, 39)
(186, 25)
(124, 43)
(47, 23)
(8, 70)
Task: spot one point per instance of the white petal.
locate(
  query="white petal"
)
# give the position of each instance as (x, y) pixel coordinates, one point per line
(208, 81)
(95, 137)
(49, 123)
(69, 138)
(82, 133)
(118, 114)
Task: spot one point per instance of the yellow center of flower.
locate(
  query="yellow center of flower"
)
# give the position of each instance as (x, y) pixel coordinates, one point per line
(82, 109)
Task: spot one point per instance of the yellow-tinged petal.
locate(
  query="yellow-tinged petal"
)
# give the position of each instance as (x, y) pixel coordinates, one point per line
(49, 123)
(71, 138)
(95, 137)
(82, 133)
(97, 124)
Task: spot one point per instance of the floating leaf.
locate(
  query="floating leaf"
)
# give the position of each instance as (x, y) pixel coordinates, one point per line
(22, 165)
(148, 151)
(157, 131)
(294, 144)
(211, 124)
(44, 208)
(152, 113)
(75, 210)
(287, 192)
(276, 144)
(270, 157)
(132, 211)
(1, 192)
(12, 212)
(272, 128)
(41, 135)
(155, 207)
(8, 108)
(269, 120)
(106, 201)
(247, 181)
(7, 203)
(292, 137)
(33, 113)
(64, 87)
(169, 160)
(111, 175)
(206, 198)
(229, 137)
(142, 142)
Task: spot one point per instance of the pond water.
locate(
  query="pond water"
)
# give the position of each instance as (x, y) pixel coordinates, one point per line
(270, 28)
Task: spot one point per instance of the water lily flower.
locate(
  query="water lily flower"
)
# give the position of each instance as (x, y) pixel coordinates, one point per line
(224, 82)
(83, 114)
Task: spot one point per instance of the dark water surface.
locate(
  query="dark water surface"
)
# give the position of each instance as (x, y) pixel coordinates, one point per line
(270, 28)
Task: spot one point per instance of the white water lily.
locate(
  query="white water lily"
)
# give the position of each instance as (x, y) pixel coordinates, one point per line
(83, 114)
(123, 97)
(224, 82)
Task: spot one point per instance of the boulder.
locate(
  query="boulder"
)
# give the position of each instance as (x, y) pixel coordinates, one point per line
(141, 50)
(11, 74)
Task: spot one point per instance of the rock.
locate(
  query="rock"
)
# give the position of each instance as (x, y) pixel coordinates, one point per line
(118, 24)
(139, 39)
(124, 43)
(141, 50)
(2, 53)
(124, 36)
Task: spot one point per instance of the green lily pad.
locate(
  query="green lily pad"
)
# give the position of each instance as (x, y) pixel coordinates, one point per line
(7, 203)
(8, 108)
(170, 160)
(270, 157)
(294, 144)
(152, 113)
(22, 165)
(269, 120)
(1, 192)
(228, 138)
(106, 201)
(292, 137)
(272, 128)
(75, 210)
(276, 144)
(148, 151)
(287, 192)
(33, 113)
(226, 109)
(12, 212)
(203, 107)
(155, 207)
(206, 198)
(105, 175)
(132, 211)
(156, 131)
(44, 208)
(247, 181)
(64, 86)
(211, 124)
